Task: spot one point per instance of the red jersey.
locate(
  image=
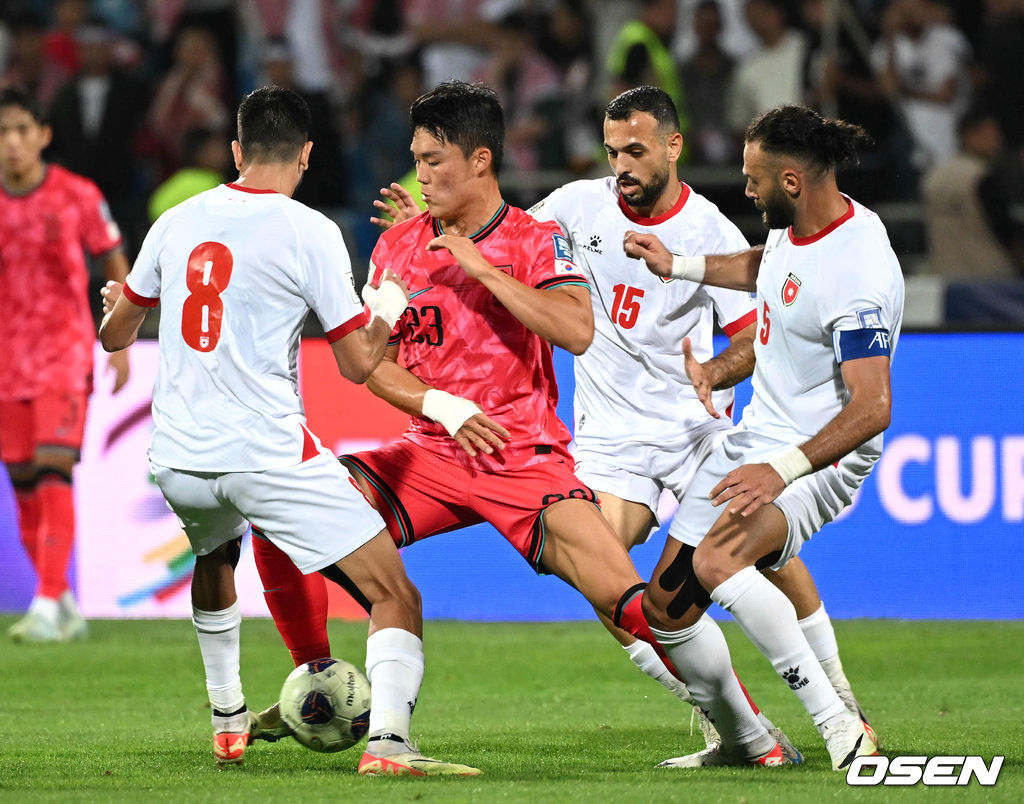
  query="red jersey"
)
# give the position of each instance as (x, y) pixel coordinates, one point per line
(457, 337)
(47, 332)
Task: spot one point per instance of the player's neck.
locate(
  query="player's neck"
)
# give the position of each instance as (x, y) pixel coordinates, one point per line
(474, 216)
(21, 183)
(668, 199)
(820, 209)
(279, 178)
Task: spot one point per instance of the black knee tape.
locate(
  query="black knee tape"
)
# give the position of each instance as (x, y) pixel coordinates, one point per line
(334, 573)
(767, 560)
(628, 595)
(680, 575)
(53, 473)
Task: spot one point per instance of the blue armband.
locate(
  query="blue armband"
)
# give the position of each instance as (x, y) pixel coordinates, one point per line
(850, 344)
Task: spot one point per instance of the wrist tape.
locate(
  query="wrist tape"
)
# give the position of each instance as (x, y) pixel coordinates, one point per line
(790, 464)
(691, 268)
(448, 410)
(387, 302)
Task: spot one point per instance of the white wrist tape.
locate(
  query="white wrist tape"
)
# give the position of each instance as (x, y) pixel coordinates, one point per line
(691, 268)
(387, 302)
(790, 464)
(448, 410)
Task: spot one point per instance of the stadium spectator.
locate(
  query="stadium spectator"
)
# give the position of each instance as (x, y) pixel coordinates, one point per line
(809, 438)
(454, 36)
(772, 74)
(962, 245)
(190, 94)
(62, 39)
(29, 67)
(737, 38)
(47, 216)
(707, 75)
(95, 118)
(999, 57)
(922, 65)
(205, 158)
(250, 455)
(641, 54)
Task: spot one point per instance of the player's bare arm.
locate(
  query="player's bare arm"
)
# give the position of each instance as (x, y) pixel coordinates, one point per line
(398, 205)
(562, 316)
(733, 271)
(866, 415)
(115, 267)
(360, 351)
(472, 429)
(734, 364)
(121, 318)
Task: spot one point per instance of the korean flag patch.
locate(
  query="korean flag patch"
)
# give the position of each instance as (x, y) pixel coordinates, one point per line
(563, 256)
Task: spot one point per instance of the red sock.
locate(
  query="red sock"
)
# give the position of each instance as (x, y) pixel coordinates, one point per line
(632, 621)
(56, 535)
(749, 699)
(297, 602)
(28, 519)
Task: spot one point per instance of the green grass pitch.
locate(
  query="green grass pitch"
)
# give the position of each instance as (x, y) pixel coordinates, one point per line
(550, 712)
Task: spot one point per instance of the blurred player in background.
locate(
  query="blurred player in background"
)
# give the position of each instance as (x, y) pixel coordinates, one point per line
(238, 268)
(830, 302)
(492, 288)
(642, 424)
(48, 215)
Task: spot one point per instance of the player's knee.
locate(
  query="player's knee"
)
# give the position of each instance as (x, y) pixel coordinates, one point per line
(56, 461)
(23, 475)
(653, 605)
(709, 568)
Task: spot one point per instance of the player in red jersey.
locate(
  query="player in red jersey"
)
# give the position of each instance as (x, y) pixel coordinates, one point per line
(47, 217)
(490, 289)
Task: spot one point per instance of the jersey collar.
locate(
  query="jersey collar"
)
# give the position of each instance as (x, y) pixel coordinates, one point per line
(684, 196)
(484, 230)
(814, 238)
(253, 190)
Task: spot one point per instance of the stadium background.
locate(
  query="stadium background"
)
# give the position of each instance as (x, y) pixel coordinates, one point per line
(936, 532)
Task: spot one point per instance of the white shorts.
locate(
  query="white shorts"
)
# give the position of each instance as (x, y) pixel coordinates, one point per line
(808, 503)
(638, 472)
(311, 510)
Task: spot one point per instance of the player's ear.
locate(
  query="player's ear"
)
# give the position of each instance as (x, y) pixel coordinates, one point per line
(236, 152)
(304, 156)
(481, 160)
(47, 136)
(674, 145)
(792, 182)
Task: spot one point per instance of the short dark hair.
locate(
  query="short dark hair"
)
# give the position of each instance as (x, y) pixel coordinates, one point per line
(803, 133)
(16, 96)
(273, 125)
(466, 115)
(653, 100)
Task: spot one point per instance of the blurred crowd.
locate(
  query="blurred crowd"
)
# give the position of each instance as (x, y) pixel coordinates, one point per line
(141, 95)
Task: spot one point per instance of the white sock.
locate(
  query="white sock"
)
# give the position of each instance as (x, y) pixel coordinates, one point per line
(820, 635)
(701, 654)
(219, 633)
(769, 621)
(647, 659)
(394, 665)
(67, 603)
(45, 607)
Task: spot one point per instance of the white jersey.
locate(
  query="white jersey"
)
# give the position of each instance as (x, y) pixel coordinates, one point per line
(834, 296)
(631, 384)
(237, 271)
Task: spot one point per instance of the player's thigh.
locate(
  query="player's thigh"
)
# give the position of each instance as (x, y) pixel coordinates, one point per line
(631, 521)
(207, 520)
(312, 510)
(581, 548)
(417, 494)
(735, 542)
(377, 571)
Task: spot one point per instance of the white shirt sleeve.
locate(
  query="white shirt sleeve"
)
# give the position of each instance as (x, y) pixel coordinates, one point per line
(144, 279)
(325, 278)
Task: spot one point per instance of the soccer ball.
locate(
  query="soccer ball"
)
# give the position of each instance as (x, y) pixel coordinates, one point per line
(326, 704)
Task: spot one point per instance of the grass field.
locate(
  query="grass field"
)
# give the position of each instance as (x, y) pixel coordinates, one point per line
(551, 712)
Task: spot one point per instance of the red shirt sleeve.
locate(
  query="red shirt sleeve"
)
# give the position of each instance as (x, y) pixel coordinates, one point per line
(100, 233)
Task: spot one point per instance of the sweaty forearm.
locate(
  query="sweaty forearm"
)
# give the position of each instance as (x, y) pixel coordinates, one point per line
(733, 365)
(398, 386)
(855, 424)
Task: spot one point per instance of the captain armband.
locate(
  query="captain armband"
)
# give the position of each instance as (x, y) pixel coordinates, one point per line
(791, 464)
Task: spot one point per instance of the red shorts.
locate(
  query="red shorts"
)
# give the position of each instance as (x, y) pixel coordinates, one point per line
(53, 419)
(420, 494)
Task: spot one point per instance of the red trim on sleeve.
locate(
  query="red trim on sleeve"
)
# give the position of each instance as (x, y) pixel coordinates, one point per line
(684, 196)
(309, 448)
(354, 323)
(806, 241)
(135, 298)
(740, 323)
(254, 190)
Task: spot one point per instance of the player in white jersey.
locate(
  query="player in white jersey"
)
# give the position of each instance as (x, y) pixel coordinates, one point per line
(830, 302)
(237, 269)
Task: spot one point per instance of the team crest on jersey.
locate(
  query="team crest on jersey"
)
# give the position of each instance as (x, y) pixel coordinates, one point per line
(790, 290)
